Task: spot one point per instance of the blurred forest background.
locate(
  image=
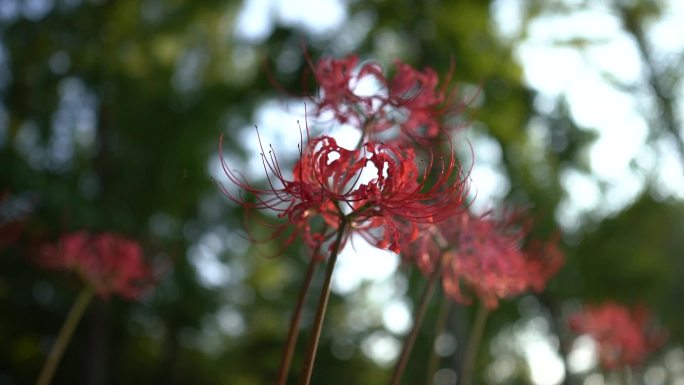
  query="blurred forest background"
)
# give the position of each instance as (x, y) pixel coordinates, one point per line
(110, 117)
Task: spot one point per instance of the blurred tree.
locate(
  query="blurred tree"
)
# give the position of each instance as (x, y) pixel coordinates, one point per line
(110, 116)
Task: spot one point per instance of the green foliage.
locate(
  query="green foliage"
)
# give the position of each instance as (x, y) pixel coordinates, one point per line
(155, 83)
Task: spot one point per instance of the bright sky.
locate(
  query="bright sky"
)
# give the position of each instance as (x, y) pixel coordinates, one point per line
(554, 71)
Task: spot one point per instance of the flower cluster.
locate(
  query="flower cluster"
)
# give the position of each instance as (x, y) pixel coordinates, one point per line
(490, 256)
(106, 262)
(383, 192)
(625, 337)
(401, 189)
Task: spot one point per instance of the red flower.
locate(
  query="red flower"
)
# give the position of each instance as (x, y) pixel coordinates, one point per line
(625, 337)
(378, 191)
(426, 107)
(107, 262)
(401, 196)
(487, 258)
(544, 260)
(413, 102)
(338, 79)
(484, 254)
(315, 191)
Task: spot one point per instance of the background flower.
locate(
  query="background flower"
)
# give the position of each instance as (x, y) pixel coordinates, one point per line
(625, 336)
(106, 262)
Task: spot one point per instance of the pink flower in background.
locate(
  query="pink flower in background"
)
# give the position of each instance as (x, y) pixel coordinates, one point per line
(625, 337)
(544, 260)
(484, 255)
(107, 262)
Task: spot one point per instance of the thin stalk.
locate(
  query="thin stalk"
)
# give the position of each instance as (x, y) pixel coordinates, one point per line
(322, 306)
(64, 336)
(293, 332)
(556, 328)
(440, 326)
(474, 344)
(626, 376)
(418, 320)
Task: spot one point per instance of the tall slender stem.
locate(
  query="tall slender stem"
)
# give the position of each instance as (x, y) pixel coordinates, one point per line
(417, 321)
(473, 345)
(440, 326)
(64, 336)
(322, 306)
(556, 327)
(293, 332)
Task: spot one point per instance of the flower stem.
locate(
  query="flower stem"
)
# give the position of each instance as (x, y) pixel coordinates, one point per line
(64, 336)
(293, 332)
(557, 323)
(417, 321)
(474, 344)
(440, 326)
(322, 306)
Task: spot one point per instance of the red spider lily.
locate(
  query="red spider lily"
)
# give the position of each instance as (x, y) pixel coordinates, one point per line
(401, 197)
(327, 183)
(425, 106)
(338, 79)
(487, 259)
(413, 101)
(314, 191)
(107, 262)
(625, 336)
(484, 254)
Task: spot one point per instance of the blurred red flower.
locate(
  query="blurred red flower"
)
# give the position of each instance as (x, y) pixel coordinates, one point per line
(625, 337)
(107, 262)
(486, 255)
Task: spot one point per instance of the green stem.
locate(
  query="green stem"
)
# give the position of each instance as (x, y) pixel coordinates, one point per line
(418, 320)
(440, 326)
(625, 375)
(293, 332)
(322, 306)
(64, 336)
(474, 344)
(557, 328)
